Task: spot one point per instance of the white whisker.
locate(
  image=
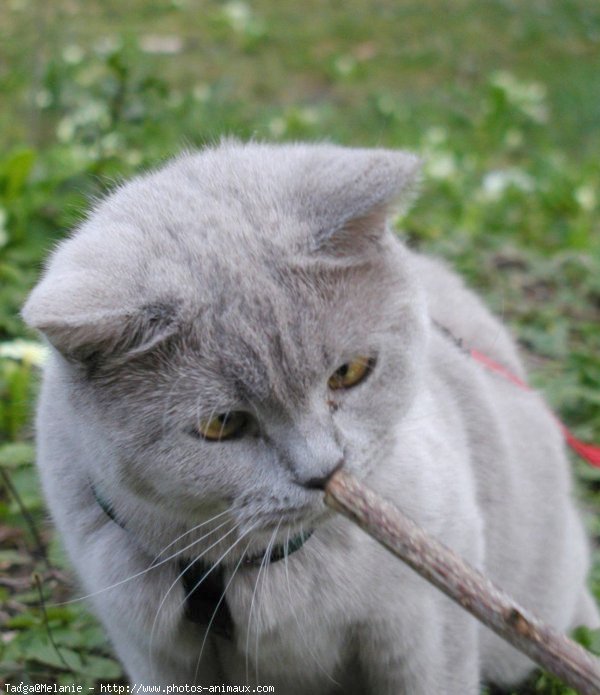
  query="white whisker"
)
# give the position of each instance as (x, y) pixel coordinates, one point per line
(250, 619)
(186, 533)
(140, 573)
(231, 547)
(222, 599)
(266, 560)
(178, 578)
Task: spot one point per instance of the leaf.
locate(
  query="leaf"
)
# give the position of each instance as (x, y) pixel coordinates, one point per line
(45, 653)
(24, 620)
(16, 454)
(590, 639)
(25, 480)
(101, 667)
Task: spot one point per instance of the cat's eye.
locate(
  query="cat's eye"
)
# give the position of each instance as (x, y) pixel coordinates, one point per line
(223, 426)
(351, 373)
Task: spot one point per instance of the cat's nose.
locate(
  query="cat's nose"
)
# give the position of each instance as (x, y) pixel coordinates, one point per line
(309, 450)
(319, 482)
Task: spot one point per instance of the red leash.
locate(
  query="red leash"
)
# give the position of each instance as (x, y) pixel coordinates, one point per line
(587, 451)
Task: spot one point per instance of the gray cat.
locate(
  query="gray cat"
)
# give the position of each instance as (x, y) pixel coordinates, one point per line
(226, 332)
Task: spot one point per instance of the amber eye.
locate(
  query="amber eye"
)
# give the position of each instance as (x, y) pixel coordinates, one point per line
(223, 426)
(351, 373)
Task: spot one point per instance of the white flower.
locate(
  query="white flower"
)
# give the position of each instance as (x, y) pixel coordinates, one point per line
(92, 112)
(202, 92)
(65, 129)
(27, 351)
(440, 165)
(238, 15)
(43, 98)
(387, 105)
(586, 197)
(277, 126)
(308, 115)
(434, 137)
(82, 155)
(107, 45)
(242, 20)
(529, 97)
(345, 65)
(72, 54)
(495, 183)
(112, 143)
(133, 157)
(513, 138)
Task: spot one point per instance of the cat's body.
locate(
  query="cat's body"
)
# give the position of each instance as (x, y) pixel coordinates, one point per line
(240, 279)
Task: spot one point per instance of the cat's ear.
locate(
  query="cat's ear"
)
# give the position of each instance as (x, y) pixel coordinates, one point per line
(353, 193)
(86, 322)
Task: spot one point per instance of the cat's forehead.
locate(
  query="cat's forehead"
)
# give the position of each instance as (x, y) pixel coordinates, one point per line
(230, 230)
(215, 198)
(274, 336)
(257, 196)
(206, 223)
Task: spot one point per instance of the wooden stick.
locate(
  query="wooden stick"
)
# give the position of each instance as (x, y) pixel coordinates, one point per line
(463, 583)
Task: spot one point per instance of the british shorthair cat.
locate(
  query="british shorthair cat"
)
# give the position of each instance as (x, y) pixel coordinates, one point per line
(227, 331)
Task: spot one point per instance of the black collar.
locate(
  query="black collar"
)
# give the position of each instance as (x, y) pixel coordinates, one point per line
(203, 584)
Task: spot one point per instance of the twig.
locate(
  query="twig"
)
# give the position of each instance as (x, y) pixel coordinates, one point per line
(40, 548)
(38, 584)
(464, 584)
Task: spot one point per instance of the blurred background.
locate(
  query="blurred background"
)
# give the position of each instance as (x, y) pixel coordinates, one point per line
(500, 98)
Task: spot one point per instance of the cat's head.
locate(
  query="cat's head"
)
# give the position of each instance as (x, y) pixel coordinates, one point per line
(236, 325)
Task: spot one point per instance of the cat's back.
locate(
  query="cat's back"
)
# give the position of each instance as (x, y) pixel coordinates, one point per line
(458, 310)
(524, 492)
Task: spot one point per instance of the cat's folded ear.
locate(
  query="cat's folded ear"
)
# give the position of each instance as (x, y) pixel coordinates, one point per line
(351, 192)
(78, 316)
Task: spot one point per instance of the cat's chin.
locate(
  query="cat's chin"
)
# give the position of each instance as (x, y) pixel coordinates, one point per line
(280, 537)
(277, 523)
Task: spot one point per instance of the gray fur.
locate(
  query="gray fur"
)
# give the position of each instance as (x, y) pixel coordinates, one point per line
(241, 278)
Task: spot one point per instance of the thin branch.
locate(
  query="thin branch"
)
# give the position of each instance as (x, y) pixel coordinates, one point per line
(29, 520)
(38, 584)
(463, 583)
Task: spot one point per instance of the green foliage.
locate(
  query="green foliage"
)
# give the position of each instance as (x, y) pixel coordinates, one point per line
(502, 99)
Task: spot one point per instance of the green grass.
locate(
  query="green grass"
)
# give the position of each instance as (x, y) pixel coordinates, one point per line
(501, 98)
